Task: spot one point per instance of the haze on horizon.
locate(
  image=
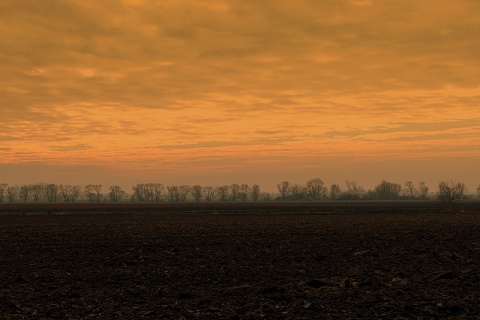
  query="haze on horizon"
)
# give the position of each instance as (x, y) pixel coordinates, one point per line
(218, 92)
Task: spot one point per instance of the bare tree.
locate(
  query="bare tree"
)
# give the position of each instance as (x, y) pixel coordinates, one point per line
(354, 191)
(70, 193)
(449, 191)
(138, 192)
(335, 191)
(184, 190)
(409, 190)
(149, 191)
(423, 190)
(244, 191)
(222, 192)
(297, 192)
(158, 189)
(255, 192)
(11, 194)
(208, 193)
(50, 192)
(36, 191)
(234, 190)
(173, 193)
(196, 192)
(3, 189)
(116, 193)
(284, 189)
(89, 192)
(24, 193)
(315, 188)
(265, 196)
(387, 190)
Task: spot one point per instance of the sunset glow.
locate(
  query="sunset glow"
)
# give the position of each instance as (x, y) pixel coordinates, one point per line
(210, 92)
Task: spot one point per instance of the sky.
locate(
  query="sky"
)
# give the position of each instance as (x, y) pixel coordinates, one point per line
(242, 91)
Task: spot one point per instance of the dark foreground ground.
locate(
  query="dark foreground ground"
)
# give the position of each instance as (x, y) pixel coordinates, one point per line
(422, 263)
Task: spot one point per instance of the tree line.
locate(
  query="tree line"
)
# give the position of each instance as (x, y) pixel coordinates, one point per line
(314, 189)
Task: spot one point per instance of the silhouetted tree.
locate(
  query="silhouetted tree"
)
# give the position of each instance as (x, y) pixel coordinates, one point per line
(234, 190)
(24, 193)
(50, 192)
(70, 193)
(158, 189)
(196, 192)
(36, 191)
(208, 193)
(244, 191)
(93, 192)
(284, 189)
(116, 193)
(255, 192)
(353, 192)
(335, 191)
(387, 190)
(449, 191)
(422, 190)
(478, 191)
(410, 191)
(11, 194)
(3, 189)
(173, 193)
(315, 188)
(222, 192)
(184, 190)
(297, 192)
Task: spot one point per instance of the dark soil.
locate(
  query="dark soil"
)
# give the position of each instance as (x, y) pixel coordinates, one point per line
(218, 265)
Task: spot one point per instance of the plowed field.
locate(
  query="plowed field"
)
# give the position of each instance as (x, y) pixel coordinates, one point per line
(215, 264)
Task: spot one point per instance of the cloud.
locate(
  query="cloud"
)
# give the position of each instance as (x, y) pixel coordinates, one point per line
(241, 79)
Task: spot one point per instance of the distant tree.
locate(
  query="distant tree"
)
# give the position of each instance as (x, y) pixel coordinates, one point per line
(89, 193)
(353, 192)
(184, 190)
(315, 189)
(196, 192)
(265, 196)
(11, 194)
(36, 191)
(244, 191)
(208, 193)
(255, 192)
(149, 191)
(158, 189)
(116, 193)
(335, 191)
(50, 192)
(297, 192)
(449, 192)
(173, 193)
(24, 193)
(422, 190)
(139, 192)
(222, 192)
(478, 191)
(409, 190)
(70, 193)
(3, 189)
(234, 190)
(284, 189)
(387, 190)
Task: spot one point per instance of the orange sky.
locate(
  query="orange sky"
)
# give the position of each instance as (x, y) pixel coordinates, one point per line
(214, 92)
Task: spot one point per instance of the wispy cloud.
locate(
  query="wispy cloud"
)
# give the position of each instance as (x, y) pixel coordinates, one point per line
(182, 83)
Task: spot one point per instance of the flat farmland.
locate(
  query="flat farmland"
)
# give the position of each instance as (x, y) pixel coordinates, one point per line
(403, 260)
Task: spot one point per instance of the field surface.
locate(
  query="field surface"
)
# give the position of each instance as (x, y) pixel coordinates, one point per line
(230, 261)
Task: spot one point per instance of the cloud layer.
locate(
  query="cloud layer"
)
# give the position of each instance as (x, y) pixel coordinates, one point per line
(216, 87)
